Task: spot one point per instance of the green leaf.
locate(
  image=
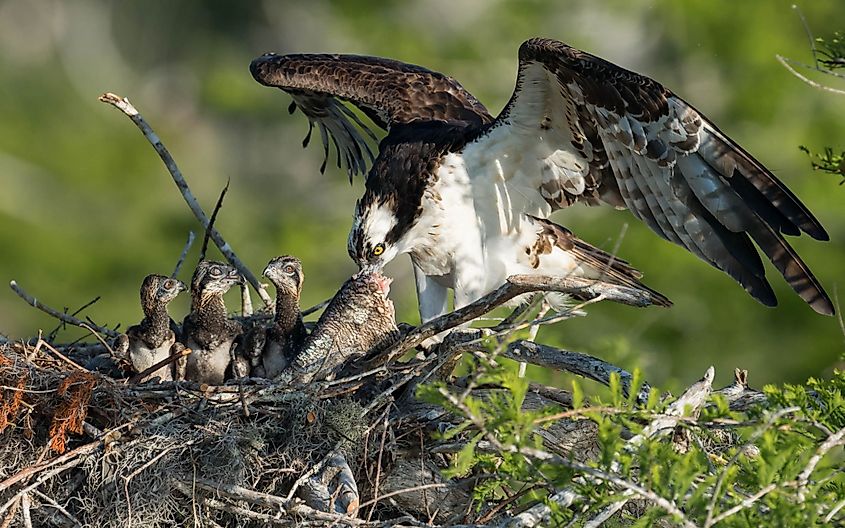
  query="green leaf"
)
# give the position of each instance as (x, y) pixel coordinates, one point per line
(577, 395)
(464, 460)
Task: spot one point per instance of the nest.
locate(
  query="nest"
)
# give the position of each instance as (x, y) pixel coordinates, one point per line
(152, 439)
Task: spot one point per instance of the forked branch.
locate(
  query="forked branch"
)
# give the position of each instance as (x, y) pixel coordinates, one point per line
(123, 104)
(69, 319)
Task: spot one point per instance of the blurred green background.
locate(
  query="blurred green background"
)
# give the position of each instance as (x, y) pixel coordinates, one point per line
(87, 209)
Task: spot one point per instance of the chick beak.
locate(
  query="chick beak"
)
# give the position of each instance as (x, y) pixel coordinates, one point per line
(236, 277)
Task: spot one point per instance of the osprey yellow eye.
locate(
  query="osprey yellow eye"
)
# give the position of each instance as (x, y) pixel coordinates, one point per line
(378, 250)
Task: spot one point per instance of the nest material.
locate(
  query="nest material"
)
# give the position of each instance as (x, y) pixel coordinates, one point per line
(79, 448)
(160, 437)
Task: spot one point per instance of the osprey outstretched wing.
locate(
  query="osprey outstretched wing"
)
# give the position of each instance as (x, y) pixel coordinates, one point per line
(604, 133)
(389, 92)
(576, 129)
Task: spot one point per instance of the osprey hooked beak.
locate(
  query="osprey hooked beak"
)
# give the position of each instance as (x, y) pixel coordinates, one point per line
(370, 267)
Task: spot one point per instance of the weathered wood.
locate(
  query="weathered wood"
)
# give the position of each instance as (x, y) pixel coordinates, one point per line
(123, 104)
(575, 362)
(517, 285)
(409, 483)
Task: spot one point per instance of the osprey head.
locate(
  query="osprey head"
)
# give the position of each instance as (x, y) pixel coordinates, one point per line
(213, 278)
(285, 272)
(391, 217)
(158, 289)
(375, 239)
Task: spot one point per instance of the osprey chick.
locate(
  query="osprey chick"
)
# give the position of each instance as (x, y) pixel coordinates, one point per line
(151, 340)
(285, 337)
(461, 192)
(207, 330)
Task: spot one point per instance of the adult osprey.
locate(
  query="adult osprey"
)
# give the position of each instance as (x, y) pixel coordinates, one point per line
(467, 195)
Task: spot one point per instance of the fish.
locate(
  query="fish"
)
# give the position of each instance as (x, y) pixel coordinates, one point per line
(359, 320)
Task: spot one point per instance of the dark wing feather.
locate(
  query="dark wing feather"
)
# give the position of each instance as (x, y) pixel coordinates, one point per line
(624, 139)
(389, 92)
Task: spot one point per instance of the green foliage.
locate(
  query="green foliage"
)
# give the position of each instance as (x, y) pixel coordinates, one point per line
(833, 50)
(827, 161)
(775, 464)
(822, 401)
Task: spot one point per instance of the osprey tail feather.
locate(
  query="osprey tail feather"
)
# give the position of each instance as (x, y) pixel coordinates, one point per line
(594, 262)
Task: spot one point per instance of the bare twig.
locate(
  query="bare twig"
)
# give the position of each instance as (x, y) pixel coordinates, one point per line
(514, 286)
(93, 329)
(50, 502)
(37, 468)
(25, 513)
(375, 499)
(772, 418)
(315, 308)
(833, 511)
(605, 514)
(271, 501)
(787, 63)
(123, 104)
(237, 511)
(532, 333)
(810, 39)
(45, 476)
(405, 490)
(32, 301)
(59, 355)
(183, 255)
(834, 440)
(53, 333)
(746, 503)
(140, 377)
(213, 219)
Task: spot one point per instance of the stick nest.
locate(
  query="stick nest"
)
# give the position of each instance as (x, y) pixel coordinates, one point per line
(155, 435)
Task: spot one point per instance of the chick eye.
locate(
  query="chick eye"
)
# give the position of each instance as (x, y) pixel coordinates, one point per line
(288, 269)
(170, 284)
(215, 272)
(378, 250)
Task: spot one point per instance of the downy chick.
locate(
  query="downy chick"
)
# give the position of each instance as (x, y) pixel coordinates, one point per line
(151, 340)
(285, 337)
(207, 330)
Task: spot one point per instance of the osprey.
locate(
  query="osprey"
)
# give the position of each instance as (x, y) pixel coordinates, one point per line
(467, 195)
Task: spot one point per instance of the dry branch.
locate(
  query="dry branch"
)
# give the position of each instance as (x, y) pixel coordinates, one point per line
(183, 255)
(32, 301)
(514, 286)
(787, 63)
(141, 376)
(575, 362)
(123, 104)
(291, 507)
